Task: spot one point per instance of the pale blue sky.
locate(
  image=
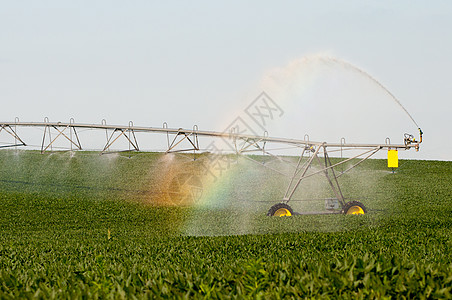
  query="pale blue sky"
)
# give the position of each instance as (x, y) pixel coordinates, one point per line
(203, 62)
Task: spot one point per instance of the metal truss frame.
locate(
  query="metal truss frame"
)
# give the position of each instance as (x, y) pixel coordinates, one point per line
(317, 155)
(129, 134)
(312, 153)
(183, 135)
(60, 129)
(327, 168)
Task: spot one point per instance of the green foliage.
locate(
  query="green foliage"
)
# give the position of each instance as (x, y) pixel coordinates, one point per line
(78, 226)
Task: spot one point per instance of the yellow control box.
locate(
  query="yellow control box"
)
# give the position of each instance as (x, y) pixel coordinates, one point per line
(393, 159)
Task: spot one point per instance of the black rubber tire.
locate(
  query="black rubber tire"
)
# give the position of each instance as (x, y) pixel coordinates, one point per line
(276, 207)
(350, 204)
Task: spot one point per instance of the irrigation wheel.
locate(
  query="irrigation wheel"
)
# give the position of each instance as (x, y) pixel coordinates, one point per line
(280, 210)
(354, 208)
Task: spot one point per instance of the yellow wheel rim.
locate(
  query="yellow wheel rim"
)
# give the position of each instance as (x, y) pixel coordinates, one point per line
(355, 210)
(282, 212)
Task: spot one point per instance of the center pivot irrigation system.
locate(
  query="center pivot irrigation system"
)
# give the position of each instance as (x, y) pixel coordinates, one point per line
(313, 160)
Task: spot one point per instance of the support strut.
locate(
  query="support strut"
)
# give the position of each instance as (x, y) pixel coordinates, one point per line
(8, 129)
(129, 134)
(182, 135)
(60, 132)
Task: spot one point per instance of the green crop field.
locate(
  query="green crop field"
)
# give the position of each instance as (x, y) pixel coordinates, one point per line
(83, 225)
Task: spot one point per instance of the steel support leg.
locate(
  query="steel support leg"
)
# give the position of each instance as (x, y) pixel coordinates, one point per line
(333, 184)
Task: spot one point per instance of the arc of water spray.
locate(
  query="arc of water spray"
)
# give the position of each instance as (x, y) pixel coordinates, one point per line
(349, 65)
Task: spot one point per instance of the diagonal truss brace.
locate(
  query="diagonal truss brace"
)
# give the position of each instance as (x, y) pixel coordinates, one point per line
(180, 136)
(128, 133)
(249, 143)
(291, 190)
(13, 133)
(327, 168)
(47, 132)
